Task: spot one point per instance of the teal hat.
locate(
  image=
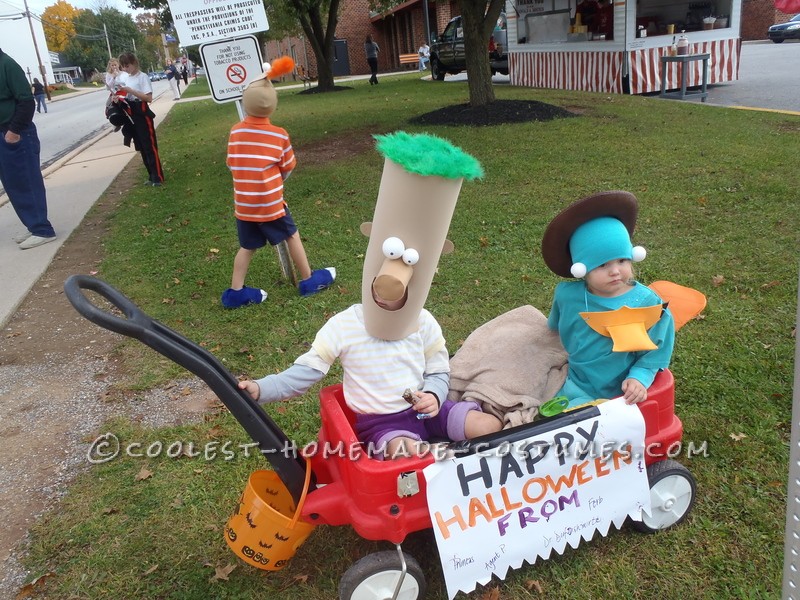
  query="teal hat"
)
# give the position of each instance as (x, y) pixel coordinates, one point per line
(596, 242)
(590, 232)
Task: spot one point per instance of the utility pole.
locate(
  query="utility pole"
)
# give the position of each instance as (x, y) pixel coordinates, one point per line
(108, 44)
(42, 70)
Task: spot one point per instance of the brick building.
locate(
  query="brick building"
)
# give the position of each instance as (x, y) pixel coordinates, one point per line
(398, 31)
(757, 16)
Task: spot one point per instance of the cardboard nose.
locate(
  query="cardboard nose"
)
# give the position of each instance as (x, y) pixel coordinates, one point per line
(392, 280)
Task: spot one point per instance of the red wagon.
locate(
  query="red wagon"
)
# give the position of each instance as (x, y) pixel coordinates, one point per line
(381, 500)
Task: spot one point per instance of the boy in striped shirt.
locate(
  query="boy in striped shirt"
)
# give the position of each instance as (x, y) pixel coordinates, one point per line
(260, 158)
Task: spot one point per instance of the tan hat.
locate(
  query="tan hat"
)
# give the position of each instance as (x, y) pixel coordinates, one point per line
(260, 98)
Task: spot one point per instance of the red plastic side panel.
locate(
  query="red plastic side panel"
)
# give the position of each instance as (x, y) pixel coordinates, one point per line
(364, 490)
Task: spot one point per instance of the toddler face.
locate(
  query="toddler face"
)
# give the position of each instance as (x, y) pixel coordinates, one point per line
(610, 279)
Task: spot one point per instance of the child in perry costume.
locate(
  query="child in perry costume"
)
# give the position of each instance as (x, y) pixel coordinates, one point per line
(261, 158)
(617, 332)
(389, 343)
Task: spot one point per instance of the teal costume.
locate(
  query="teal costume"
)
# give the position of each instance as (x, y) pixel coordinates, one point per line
(594, 370)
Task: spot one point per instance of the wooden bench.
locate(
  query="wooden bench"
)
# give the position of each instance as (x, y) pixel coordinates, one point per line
(409, 59)
(304, 76)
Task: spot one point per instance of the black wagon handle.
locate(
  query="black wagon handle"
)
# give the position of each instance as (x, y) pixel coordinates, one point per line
(272, 441)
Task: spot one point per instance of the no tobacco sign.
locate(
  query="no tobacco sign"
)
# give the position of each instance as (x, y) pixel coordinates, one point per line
(230, 65)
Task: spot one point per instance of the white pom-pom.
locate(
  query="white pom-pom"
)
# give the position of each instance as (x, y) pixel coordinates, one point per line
(578, 270)
(638, 254)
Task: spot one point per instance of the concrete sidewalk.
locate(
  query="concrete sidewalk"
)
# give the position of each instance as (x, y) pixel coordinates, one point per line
(74, 183)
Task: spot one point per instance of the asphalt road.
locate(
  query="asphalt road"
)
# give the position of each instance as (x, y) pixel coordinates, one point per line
(769, 78)
(72, 120)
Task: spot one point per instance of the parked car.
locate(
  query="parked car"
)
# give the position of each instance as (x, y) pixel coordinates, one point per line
(448, 56)
(785, 31)
(154, 76)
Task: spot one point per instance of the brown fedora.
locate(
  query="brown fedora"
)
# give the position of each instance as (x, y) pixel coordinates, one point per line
(555, 241)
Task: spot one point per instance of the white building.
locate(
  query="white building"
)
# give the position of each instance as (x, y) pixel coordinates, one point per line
(16, 40)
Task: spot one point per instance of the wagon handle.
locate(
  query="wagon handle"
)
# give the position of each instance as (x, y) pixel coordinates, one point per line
(272, 441)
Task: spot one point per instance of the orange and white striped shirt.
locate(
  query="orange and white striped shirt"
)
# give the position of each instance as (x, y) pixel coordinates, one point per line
(260, 158)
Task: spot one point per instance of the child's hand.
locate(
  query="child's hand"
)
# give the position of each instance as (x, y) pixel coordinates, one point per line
(251, 387)
(426, 403)
(633, 391)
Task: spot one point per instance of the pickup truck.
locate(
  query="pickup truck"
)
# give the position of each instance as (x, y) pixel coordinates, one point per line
(447, 52)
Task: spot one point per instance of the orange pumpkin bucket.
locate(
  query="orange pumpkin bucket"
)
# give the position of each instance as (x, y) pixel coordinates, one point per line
(265, 531)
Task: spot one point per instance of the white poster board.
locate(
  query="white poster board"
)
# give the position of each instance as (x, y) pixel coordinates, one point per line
(198, 21)
(495, 509)
(230, 66)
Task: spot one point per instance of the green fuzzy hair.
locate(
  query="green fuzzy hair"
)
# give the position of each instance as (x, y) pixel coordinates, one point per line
(428, 155)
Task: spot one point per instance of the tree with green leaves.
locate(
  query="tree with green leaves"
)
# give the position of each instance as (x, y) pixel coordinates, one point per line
(89, 48)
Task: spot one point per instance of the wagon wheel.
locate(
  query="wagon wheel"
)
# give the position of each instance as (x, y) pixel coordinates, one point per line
(375, 577)
(672, 493)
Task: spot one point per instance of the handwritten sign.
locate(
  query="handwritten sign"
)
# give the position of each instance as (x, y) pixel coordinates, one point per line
(518, 502)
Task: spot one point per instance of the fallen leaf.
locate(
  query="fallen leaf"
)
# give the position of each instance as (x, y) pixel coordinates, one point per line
(29, 588)
(177, 503)
(215, 432)
(771, 284)
(186, 391)
(150, 570)
(214, 250)
(143, 474)
(491, 594)
(222, 572)
(483, 241)
(176, 280)
(110, 511)
(737, 437)
(533, 584)
(168, 301)
(717, 280)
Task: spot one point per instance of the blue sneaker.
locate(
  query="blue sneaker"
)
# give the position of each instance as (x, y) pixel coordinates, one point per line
(237, 298)
(319, 280)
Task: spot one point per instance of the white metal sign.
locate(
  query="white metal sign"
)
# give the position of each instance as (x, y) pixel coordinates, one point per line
(230, 65)
(199, 21)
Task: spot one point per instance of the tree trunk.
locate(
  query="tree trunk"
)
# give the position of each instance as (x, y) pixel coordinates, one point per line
(478, 26)
(321, 37)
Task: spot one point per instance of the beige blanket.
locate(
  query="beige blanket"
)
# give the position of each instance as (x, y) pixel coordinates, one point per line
(510, 365)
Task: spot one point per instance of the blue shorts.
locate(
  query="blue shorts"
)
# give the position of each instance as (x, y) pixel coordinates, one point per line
(256, 234)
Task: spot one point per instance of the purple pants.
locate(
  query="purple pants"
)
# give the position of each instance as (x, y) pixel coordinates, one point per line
(449, 423)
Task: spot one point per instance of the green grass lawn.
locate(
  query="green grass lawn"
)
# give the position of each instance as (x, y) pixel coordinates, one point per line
(718, 212)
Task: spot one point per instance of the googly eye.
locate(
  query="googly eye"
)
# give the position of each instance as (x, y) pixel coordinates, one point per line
(393, 248)
(411, 257)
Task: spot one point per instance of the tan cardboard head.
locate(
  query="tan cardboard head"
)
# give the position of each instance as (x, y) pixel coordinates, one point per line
(421, 181)
(259, 98)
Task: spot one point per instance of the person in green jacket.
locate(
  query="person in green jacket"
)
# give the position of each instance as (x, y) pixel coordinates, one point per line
(20, 172)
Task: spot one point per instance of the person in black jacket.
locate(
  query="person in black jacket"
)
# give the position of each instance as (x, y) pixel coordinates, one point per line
(20, 173)
(38, 93)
